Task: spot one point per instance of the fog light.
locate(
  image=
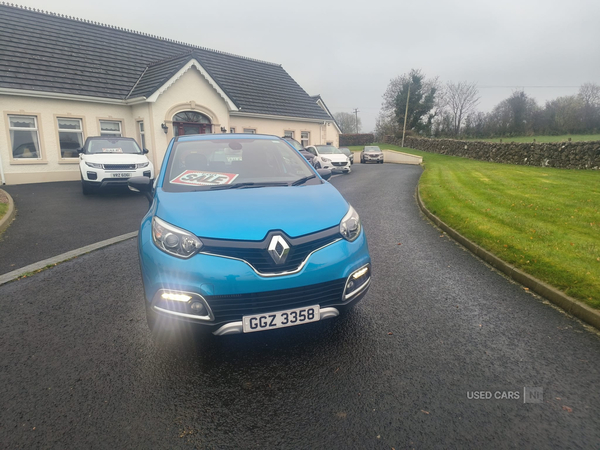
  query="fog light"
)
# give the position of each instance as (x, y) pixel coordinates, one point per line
(197, 308)
(357, 282)
(175, 297)
(360, 273)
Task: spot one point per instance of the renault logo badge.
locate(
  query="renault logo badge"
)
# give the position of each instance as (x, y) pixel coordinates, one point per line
(278, 249)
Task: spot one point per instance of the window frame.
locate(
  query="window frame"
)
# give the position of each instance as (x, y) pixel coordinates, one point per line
(249, 130)
(74, 159)
(141, 128)
(42, 155)
(108, 133)
(291, 135)
(232, 130)
(307, 139)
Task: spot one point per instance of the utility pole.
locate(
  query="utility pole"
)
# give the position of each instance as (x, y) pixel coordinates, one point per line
(405, 115)
(356, 111)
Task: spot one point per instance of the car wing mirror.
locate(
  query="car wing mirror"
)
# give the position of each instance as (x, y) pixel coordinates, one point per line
(324, 173)
(79, 151)
(145, 151)
(143, 185)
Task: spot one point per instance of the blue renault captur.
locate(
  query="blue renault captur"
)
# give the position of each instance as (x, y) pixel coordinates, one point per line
(243, 235)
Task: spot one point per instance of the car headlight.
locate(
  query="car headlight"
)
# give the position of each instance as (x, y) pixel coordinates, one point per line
(94, 165)
(350, 225)
(141, 165)
(173, 240)
(325, 159)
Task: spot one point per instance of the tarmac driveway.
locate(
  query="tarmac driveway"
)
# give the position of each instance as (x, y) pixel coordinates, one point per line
(54, 218)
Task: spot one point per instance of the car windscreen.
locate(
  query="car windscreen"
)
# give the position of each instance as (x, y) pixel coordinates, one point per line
(198, 165)
(327, 149)
(114, 146)
(372, 149)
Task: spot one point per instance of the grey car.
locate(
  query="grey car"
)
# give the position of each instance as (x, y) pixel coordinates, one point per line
(348, 153)
(371, 153)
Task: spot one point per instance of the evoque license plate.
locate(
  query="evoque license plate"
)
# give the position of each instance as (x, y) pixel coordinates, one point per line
(281, 319)
(121, 175)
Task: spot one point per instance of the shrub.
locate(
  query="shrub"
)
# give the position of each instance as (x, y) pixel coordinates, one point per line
(356, 139)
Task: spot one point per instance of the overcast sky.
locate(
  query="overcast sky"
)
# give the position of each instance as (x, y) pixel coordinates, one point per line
(348, 50)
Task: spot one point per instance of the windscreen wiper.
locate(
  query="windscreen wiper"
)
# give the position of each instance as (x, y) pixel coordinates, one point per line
(303, 180)
(245, 185)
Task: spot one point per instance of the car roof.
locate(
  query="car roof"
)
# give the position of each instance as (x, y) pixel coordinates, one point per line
(112, 138)
(211, 137)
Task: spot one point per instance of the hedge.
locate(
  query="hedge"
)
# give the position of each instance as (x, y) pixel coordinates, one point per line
(356, 139)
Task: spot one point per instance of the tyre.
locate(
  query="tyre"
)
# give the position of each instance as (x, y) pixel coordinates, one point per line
(86, 188)
(150, 316)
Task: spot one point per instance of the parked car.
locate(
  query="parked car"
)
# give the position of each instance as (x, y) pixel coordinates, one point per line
(247, 244)
(107, 161)
(298, 146)
(371, 153)
(330, 157)
(346, 151)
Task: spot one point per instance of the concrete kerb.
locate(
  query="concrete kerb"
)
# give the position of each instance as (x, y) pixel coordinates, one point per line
(569, 304)
(15, 274)
(10, 214)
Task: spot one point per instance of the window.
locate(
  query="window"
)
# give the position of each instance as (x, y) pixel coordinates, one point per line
(329, 143)
(110, 128)
(250, 130)
(24, 137)
(289, 134)
(70, 137)
(142, 133)
(305, 138)
(232, 130)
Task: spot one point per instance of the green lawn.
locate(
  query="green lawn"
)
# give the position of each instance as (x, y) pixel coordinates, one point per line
(3, 209)
(563, 138)
(544, 221)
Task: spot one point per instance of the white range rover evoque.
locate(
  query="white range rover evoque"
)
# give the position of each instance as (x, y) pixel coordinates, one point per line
(110, 161)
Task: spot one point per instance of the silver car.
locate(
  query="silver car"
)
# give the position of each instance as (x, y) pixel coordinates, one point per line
(371, 153)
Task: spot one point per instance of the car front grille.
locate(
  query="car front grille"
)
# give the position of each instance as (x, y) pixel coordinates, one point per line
(119, 166)
(338, 163)
(233, 307)
(256, 253)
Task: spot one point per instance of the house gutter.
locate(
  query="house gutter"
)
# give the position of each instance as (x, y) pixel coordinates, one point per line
(59, 96)
(269, 116)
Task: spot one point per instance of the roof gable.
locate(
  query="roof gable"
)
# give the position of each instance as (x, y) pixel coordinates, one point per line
(38, 53)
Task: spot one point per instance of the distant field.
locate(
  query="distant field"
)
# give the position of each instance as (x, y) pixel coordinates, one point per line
(563, 138)
(544, 221)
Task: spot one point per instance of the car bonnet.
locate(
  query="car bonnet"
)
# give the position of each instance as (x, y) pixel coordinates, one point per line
(250, 213)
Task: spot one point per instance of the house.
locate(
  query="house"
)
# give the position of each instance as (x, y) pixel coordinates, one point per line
(63, 79)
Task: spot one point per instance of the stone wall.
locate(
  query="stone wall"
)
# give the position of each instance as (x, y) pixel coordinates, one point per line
(566, 155)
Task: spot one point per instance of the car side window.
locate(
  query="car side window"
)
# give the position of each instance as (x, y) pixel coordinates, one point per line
(312, 150)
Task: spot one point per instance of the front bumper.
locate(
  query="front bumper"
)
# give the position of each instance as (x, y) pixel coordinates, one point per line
(231, 288)
(376, 159)
(102, 178)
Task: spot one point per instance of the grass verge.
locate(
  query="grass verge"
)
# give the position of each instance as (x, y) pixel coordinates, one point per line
(544, 221)
(544, 139)
(3, 209)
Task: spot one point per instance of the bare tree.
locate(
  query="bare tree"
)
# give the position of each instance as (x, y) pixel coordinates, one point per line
(461, 100)
(347, 122)
(590, 94)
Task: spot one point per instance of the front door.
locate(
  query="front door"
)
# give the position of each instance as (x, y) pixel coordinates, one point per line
(191, 122)
(181, 128)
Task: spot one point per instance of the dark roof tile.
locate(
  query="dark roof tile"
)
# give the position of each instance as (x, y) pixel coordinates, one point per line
(46, 52)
